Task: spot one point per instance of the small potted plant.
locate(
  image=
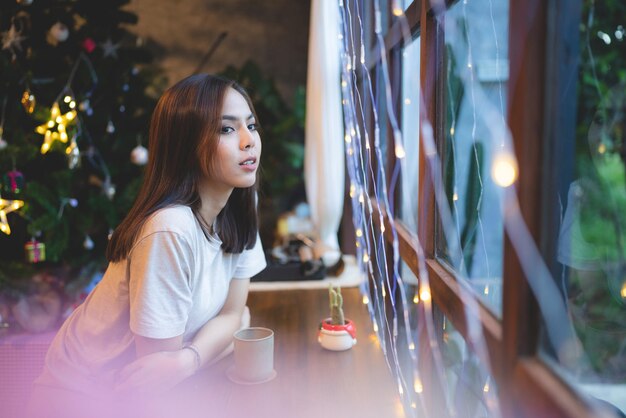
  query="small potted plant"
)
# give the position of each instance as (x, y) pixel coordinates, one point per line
(336, 333)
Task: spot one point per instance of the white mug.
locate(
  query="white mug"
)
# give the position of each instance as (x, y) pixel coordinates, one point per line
(254, 355)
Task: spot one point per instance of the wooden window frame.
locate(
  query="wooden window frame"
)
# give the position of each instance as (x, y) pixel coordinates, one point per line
(527, 387)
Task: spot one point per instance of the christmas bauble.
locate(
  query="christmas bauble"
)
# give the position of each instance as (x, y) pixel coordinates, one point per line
(88, 243)
(57, 33)
(139, 155)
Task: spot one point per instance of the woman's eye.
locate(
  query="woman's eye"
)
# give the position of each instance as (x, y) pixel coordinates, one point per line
(227, 129)
(253, 127)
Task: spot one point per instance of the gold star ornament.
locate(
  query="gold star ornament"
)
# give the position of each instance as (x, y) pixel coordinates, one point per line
(7, 206)
(55, 128)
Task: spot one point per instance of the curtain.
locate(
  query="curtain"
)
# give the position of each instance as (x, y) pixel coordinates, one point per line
(324, 149)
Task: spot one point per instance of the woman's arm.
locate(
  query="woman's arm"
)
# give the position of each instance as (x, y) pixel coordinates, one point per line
(163, 363)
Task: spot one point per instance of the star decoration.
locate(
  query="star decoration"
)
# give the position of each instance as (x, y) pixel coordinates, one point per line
(58, 120)
(11, 40)
(7, 206)
(109, 49)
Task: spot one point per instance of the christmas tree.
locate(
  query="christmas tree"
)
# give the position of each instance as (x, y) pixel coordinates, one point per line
(76, 93)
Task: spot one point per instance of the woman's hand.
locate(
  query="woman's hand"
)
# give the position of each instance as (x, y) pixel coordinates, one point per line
(156, 373)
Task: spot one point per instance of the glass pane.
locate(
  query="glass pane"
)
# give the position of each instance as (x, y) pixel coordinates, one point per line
(472, 392)
(592, 236)
(470, 231)
(410, 132)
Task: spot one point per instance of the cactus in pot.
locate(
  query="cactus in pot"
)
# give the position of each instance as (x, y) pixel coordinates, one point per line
(336, 333)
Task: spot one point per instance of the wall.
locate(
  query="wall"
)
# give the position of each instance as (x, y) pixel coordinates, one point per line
(274, 34)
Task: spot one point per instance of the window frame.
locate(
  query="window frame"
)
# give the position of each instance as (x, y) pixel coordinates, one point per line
(527, 386)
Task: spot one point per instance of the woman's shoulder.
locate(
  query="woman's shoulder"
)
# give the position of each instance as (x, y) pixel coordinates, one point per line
(178, 219)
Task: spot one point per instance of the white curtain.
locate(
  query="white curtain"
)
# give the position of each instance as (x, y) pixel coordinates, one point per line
(324, 152)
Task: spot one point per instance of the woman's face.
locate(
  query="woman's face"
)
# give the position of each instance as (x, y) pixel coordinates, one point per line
(239, 147)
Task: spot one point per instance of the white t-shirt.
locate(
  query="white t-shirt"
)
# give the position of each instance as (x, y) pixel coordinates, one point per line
(173, 281)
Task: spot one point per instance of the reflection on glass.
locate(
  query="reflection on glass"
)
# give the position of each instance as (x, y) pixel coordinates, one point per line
(592, 238)
(410, 132)
(470, 234)
(472, 392)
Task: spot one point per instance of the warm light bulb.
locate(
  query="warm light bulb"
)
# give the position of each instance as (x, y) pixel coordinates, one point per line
(397, 11)
(375, 326)
(72, 104)
(486, 387)
(416, 298)
(504, 170)
(347, 138)
(67, 99)
(425, 295)
(359, 232)
(400, 153)
(602, 148)
(382, 227)
(452, 131)
(366, 258)
(623, 292)
(407, 101)
(455, 196)
(486, 290)
(366, 300)
(411, 346)
(352, 190)
(417, 385)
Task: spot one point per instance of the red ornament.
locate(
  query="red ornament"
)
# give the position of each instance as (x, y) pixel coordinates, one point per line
(89, 45)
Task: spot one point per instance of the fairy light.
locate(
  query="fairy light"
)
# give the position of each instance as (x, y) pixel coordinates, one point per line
(486, 290)
(67, 99)
(366, 258)
(396, 9)
(7, 206)
(416, 298)
(361, 198)
(359, 232)
(400, 388)
(412, 346)
(347, 138)
(425, 295)
(623, 291)
(452, 131)
(455, 196)
(417, 385)
(383, 292)
(375, 326)
(366, 300)
(602, 148)
(61, 121)
(504, 169)
(486, 387)
(400, 152)
(407, 101)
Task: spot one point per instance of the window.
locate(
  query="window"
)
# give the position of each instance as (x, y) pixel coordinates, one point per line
(466, 301)
(589, 348)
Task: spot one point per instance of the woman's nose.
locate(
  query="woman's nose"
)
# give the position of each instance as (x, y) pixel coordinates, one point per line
(246, 139)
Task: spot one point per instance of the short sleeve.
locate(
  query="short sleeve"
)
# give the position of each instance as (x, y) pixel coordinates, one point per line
(251, 262)
(160, 266)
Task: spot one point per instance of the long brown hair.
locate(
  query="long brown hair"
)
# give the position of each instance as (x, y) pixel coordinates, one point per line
(184, 132)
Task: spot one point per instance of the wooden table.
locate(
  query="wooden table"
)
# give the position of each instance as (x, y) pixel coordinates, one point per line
(311, 381)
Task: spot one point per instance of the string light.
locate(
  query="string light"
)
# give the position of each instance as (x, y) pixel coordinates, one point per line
(417, 385)
(58, 120)
(7, 206)
(623, 291)
(425, 295)
(366, 300)
(504, 169)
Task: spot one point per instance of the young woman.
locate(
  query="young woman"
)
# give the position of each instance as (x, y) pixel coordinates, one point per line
(177, 282)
